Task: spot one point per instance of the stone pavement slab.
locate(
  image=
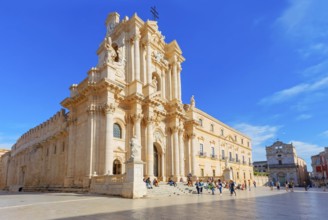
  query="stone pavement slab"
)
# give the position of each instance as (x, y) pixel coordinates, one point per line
(260, 203)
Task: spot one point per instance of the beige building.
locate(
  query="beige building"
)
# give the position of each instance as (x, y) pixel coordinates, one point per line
(284, 164)
(133, 91)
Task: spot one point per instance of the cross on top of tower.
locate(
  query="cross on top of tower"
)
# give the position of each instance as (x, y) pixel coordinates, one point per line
(154, 12)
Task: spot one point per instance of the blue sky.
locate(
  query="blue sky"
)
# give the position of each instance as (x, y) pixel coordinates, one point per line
(258, 66)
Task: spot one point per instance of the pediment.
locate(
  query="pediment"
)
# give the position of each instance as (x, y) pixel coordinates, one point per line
(230, 138)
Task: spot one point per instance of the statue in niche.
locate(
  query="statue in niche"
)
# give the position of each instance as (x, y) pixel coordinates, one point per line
(135, 150)
(154, 82)
(110, 53)
(192, 101)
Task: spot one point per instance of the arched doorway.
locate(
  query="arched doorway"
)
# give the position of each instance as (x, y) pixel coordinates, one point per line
(155, 161)
(117, 167)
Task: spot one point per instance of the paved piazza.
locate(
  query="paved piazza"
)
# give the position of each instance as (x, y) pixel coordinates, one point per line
(260, 203)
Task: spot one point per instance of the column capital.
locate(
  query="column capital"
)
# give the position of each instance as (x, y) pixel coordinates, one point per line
(91, 109)
(149, 120)
(137, 117)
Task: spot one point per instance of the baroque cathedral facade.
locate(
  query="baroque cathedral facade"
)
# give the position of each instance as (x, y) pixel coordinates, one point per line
(133, 91)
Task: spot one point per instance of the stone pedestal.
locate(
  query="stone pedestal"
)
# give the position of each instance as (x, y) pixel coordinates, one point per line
(227, 174)
(134, 186)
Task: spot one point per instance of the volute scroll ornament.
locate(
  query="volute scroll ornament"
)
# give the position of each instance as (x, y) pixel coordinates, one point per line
(109, 108)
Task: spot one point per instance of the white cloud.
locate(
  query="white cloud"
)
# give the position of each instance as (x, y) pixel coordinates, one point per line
(259, 135)
(325, 133)
(287, 94)
(303, 117)
(306, 21)
(294, 14)
(317, 69)
(306, 150)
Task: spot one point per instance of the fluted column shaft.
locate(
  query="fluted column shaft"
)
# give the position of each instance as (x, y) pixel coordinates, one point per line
(137, 57)
(150, 149)
(149, 73)
(90, 153)
(179, 82)
(109, 111)
(193, 155)
(175, 79)
(181, 153)
(176, 151)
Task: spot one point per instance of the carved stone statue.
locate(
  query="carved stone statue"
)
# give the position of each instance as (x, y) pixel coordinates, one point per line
(192, 101)
(110, 53)
(154, 82)
(135, 150)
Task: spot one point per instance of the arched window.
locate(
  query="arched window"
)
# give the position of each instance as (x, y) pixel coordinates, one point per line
(117, 131)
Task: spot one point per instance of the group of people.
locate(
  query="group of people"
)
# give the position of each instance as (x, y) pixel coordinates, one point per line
(289, 186)
(212, 185)
(148, 183)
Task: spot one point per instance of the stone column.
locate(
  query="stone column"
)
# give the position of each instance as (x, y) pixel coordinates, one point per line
(89, 164)
(179, 81)
(163, 166)
(175, 83)
(181, 153)
(176, 152)
(137, 57)
(169, 85)
(163, 85)
(193, 154)
(148, 58)
(132, 55)
(150, 149)
(109, 111)
(70, 159)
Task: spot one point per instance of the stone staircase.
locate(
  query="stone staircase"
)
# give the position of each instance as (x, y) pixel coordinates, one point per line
(166, 190)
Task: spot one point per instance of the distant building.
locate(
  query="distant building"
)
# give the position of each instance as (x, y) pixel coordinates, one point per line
(284, 164)
(319, 164)
(260, 166)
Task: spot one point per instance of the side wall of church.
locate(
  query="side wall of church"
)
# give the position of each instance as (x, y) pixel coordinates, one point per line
(38, 159)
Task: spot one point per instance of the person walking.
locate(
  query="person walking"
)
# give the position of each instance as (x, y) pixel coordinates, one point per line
(220, 186)
(232, 187)
(286, 185)
(197, 184)
(211, 186)
(201, 184)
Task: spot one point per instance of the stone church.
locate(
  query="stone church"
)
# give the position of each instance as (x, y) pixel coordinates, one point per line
(134, 90)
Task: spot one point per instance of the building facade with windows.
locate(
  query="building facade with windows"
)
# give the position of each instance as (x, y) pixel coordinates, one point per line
(319, 164)
(284, 164)
(260, 166)
(134, 90)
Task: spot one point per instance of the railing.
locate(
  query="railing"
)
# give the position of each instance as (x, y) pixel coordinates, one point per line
(231, 159)
(202, 154)
(223, 158)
